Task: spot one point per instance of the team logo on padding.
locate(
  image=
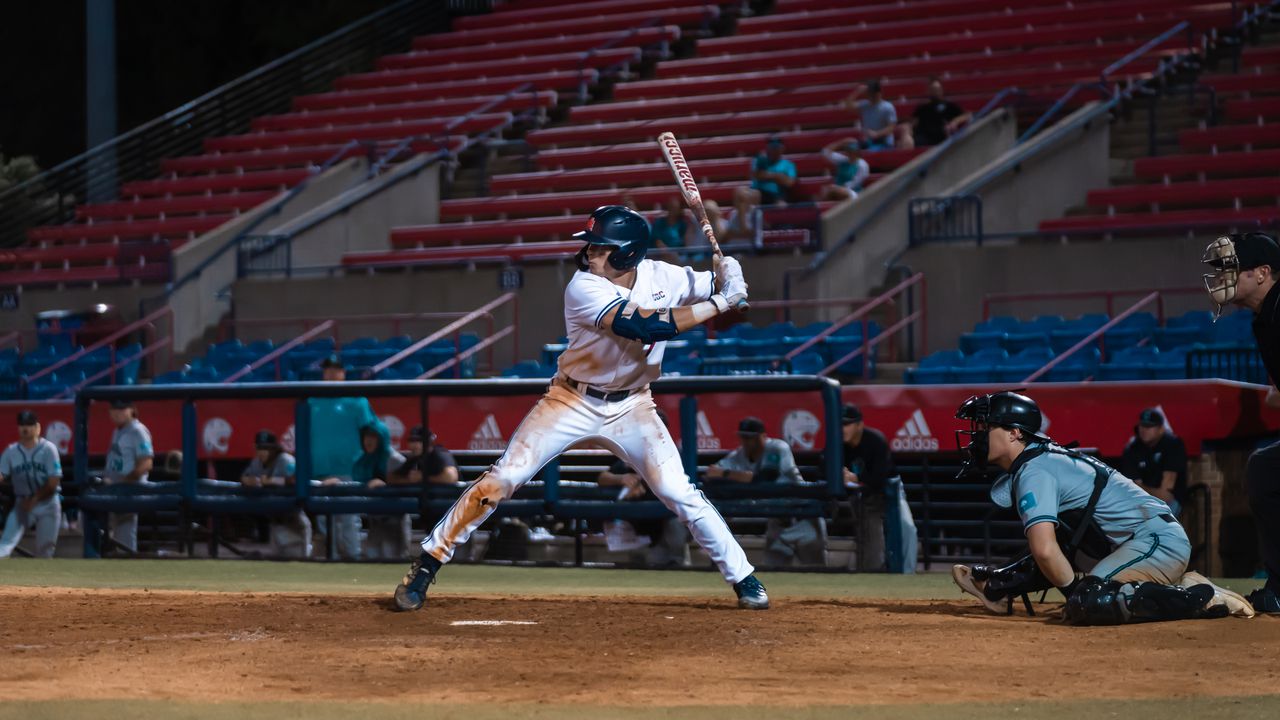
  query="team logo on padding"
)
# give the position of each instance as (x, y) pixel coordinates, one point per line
(800, 429)
(217, 435)
(914, 436)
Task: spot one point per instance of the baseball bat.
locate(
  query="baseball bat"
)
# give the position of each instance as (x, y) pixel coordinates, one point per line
(692, 197)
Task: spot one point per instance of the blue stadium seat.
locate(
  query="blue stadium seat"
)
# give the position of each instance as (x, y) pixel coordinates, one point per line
(173, 377)
(807, 363)
(721, 346)
(551, 352)
(529, 369)
(1019, 341)
(980, 367)
(1023, 364)
(1173, 336)
(681, 366)
(1130, 364)
(1078, 366)
(934, 368)
(998, 324)
(1172, 364)
(979, 340)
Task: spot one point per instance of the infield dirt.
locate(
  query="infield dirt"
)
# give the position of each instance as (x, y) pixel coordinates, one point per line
(617, 651)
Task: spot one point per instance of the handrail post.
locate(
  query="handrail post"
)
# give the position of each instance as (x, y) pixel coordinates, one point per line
(189, 450)
(833, 439)
(689, 435)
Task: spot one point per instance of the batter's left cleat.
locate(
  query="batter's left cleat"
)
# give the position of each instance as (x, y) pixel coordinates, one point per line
(751, 594)
(966, 577)
(411, 593)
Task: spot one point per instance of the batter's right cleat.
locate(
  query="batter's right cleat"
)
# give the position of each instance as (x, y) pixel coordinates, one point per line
(967, 578)
(751, 594)
(1264, 600)
(411, 593)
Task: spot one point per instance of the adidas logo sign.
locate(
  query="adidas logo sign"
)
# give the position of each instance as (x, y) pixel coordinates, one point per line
(914, 436)
(488, 436)
(707, 439)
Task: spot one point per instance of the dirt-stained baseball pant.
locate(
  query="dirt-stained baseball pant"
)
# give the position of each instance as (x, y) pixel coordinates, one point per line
(632, 430)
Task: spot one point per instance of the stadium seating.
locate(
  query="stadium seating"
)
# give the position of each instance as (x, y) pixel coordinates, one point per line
(1007, 350)
(1221, 179)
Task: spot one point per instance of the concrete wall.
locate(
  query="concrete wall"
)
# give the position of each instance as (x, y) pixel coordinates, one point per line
(541, 300)
(407, 195)
(34, 300)
(959, 277)
(1048, 174)
(856, 268)
(201, 303)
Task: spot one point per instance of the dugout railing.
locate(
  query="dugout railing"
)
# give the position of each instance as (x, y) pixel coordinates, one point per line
(191, 496)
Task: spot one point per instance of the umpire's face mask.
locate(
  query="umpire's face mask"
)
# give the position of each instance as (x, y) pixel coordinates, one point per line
(1221, 283)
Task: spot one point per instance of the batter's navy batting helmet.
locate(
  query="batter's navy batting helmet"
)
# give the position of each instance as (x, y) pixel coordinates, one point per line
(621, 227)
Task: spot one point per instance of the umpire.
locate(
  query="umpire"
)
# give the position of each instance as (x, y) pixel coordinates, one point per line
(1244, 273)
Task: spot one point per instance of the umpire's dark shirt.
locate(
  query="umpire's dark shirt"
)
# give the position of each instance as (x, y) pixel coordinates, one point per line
(1266, 329)
(1147, 465)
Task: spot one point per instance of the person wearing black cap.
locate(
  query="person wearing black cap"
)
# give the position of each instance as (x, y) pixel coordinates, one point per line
(868, 467)
(772, 175)
(1244, 273)
(128, 461)
(33, 468)
(273, 467)
(1156, 459)
(762, 459)
(427, 462)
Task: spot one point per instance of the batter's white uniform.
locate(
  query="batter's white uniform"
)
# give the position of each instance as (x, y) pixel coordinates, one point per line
(598, 361)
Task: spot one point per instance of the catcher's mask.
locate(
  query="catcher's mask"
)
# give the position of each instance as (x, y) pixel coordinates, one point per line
(1003, 409)
(1230, 255)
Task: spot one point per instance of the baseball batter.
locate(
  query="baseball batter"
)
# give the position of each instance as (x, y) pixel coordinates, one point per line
(34, 469)
(1075, 508)
(619, 309)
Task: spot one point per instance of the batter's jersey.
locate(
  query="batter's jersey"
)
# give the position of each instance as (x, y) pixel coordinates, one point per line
(29, 470)
(598, 357)
(1053, 482)
(129, 444)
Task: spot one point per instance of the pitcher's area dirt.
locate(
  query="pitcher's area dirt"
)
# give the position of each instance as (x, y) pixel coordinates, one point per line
(72, 644)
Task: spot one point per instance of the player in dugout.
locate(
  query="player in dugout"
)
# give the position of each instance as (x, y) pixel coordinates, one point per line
(1116, 553)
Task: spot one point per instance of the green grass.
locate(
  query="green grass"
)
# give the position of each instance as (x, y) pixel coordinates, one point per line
(1265, 707)
(344, 578)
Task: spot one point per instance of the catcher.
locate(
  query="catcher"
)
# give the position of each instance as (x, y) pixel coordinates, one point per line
(1117, 554)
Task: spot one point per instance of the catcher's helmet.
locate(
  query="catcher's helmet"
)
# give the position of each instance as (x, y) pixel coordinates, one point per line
(1003, 409)
(621, 227)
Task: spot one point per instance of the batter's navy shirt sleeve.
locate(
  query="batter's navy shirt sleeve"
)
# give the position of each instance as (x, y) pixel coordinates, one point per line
(1037, 496)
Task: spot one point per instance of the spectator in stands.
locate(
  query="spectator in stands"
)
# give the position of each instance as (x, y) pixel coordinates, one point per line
(849, 169)
(427, 461)
(878, 119)
(334, 447)
(628, 201)
(937, 119)
(867, 467)
(772, 175)
(668, 540)
(273, 467)
(388, 534)
(34, 470)
(128, 461)
(742, 222)
(762, 459)
(1156, 459)
(671, 229)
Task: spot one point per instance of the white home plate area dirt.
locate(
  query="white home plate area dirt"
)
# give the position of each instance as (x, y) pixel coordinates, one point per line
(75, 644)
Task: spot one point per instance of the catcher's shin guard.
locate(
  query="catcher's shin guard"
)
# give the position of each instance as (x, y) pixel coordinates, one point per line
(1099, 602)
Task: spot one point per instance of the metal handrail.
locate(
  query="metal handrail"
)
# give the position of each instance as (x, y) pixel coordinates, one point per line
(133, 155)
(309, 322)
(154, 347)
(871, 343)
(459, 357)
(879, 300)
(444, 331)
(275, 355)
(145, 323)
(11, 338)
(1091, 337)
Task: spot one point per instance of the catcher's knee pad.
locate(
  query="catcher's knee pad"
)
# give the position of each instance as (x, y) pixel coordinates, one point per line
(1096, 602)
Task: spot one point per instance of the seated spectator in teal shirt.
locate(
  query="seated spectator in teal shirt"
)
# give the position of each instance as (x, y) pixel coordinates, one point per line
(670, 230)
(771, 174)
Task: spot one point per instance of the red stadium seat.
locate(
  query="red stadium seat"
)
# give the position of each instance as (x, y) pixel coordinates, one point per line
(1231, 164)
(1199, 194)
(57, 276)
(891, 11)
(188, 205)
(470, 253)
(347, 133)
(714, 148)
(693, 126)
(513, 51)
(564, 80)
(99, 253)
(430, 109)
(487, 231)
(688, 16)
(564, 11)
(229, 182)
(1243, 84)
(1161, 223)
(1257, 108)
(169, 228)
(631, 175)
(572, 62)
(1230, 136)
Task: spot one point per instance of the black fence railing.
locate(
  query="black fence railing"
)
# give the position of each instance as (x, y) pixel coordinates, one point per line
(1230, 363)
(945, 219)
(52, 196)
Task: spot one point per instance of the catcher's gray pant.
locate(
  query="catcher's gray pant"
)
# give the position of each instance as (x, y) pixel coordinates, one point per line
(47, 519)
(1158, 552)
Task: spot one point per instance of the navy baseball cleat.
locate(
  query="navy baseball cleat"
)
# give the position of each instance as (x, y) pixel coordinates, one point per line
(411, 593)
(751, 594)
(1264, 601)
